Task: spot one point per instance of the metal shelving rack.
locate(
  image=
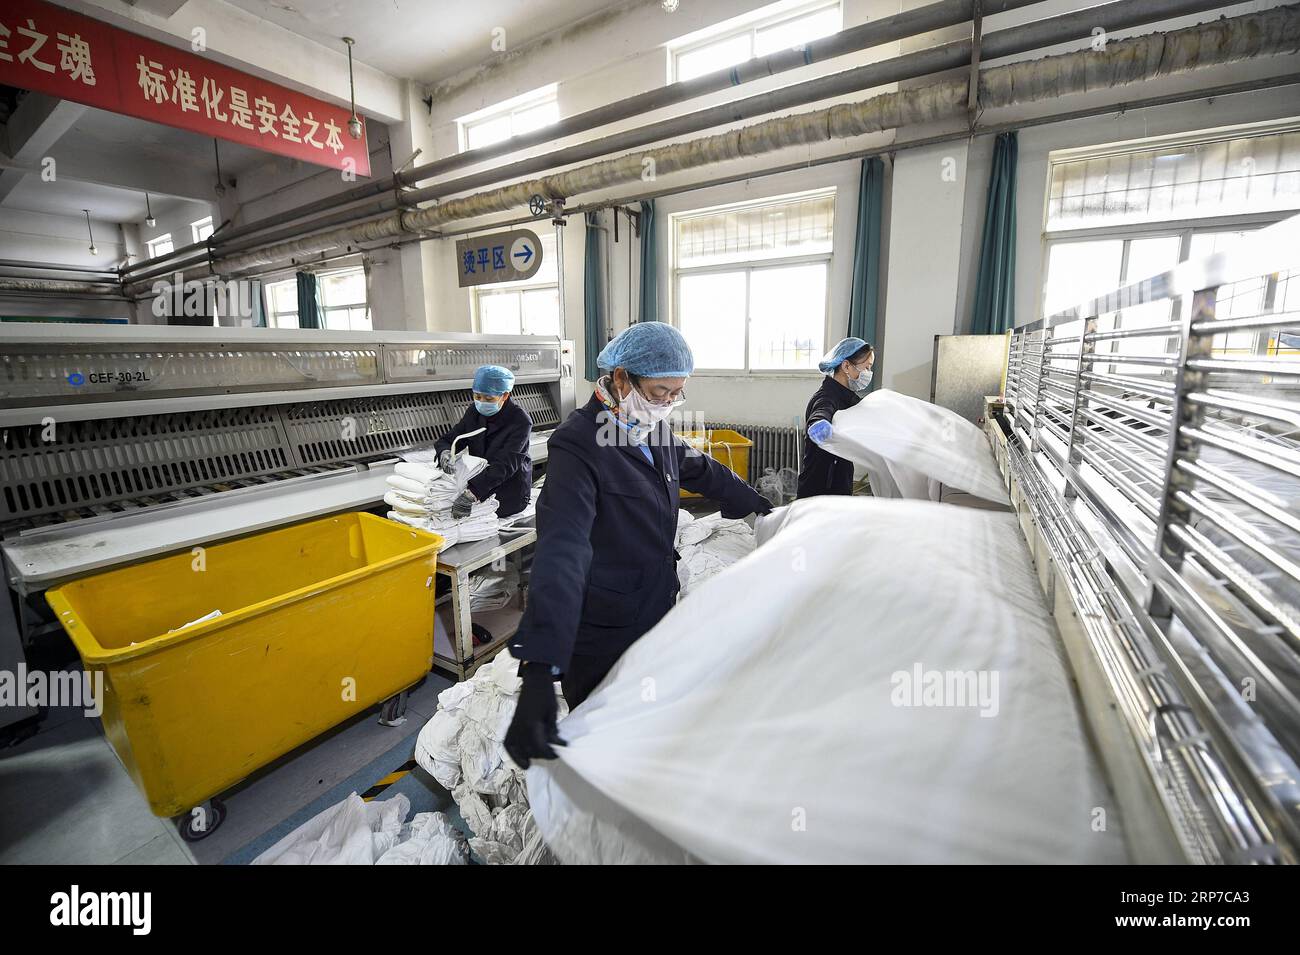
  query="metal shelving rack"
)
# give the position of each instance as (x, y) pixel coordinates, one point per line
(1159, 464)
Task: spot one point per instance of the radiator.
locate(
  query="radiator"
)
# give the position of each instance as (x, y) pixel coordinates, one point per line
(775, 447)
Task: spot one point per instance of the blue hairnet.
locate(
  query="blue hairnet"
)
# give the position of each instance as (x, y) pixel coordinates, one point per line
(493, 380)
(836, 356)
(649, 350)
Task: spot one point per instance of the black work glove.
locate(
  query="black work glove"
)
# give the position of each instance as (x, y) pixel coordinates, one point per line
(532, 731)
(446, 461)
(461, 507)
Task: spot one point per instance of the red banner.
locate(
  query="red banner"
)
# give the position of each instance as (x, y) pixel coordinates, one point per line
(64, 54)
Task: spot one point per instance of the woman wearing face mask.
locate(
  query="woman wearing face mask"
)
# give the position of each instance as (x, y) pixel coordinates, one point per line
(503, 443)
(847, 368)
(605, 570)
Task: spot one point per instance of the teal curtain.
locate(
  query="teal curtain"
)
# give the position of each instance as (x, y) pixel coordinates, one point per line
(995, 289)
(649, 265)
(308, 301)
(593, 300)
(866, 251)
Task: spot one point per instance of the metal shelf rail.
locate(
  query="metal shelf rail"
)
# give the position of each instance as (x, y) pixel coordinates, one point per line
(1155, 435)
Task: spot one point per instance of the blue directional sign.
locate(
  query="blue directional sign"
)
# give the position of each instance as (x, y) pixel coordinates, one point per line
(500, 257)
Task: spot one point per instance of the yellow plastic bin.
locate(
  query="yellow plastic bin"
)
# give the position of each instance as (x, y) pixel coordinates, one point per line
(722, 444)
(318, 622)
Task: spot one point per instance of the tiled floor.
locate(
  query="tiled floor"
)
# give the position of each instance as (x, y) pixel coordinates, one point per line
(65, 798)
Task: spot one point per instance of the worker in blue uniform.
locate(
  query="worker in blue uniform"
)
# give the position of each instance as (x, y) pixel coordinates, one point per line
(503, 443)
(848, 371)
(605, 570)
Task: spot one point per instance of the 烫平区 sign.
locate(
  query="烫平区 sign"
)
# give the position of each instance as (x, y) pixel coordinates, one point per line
(500, 257)
(64, 54)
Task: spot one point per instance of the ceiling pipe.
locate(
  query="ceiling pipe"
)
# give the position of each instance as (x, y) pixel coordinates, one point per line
(44, 266)
(625, 199)
(1269, 32)
(1067, 27)
(885, 30)
(29, 286)
(1021, 39)
(1127, 106)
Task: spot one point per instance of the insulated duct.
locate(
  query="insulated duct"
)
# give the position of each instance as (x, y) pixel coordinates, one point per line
(107, 288)
(1021, 39)
(907, 23)
(1266, 33)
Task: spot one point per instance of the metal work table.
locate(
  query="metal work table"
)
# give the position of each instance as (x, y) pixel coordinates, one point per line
(456, 564)
(48, 556)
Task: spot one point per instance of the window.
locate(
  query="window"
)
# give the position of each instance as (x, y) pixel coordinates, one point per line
(1117, 217)
(511, 118)
(750, 282)
(282, 304)
(159, 246)
(342, 299)
(1223, 175)
(701, 53)
(202, 229)
(531, 307)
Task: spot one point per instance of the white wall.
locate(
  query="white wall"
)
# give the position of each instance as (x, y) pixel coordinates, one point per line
(925, 241)
(38, 237)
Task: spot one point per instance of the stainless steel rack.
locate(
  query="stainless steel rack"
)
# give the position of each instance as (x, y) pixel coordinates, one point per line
(1152, 438)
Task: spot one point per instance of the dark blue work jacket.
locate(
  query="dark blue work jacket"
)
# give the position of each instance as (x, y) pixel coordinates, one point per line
(823, 472)
(509, 474)
(605, 570)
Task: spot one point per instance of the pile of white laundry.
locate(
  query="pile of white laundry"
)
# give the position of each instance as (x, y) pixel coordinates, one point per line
(493, 589)
(527, 514)
(707, 546)
(421, 494)
(461, 747)
(356, 832)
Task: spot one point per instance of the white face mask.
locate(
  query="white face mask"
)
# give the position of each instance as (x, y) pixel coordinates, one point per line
(862, 382)
(639, 414)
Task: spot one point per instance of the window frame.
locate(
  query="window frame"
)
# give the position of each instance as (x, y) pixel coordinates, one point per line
(326, 307)
(509, 109)
(268, 296)
(273, 317)
(680, 47)
(748, 266)
(1175, 141)
(1185, 230)
(151, 244)
(195, 227)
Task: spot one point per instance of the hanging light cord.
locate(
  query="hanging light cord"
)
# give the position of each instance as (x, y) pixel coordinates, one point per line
(91, 232)
(354, 124)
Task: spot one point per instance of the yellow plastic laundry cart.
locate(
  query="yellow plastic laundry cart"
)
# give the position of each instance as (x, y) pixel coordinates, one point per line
(317, 622)
(722, 444)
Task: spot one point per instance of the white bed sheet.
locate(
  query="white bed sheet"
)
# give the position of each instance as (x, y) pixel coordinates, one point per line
(757, 722)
